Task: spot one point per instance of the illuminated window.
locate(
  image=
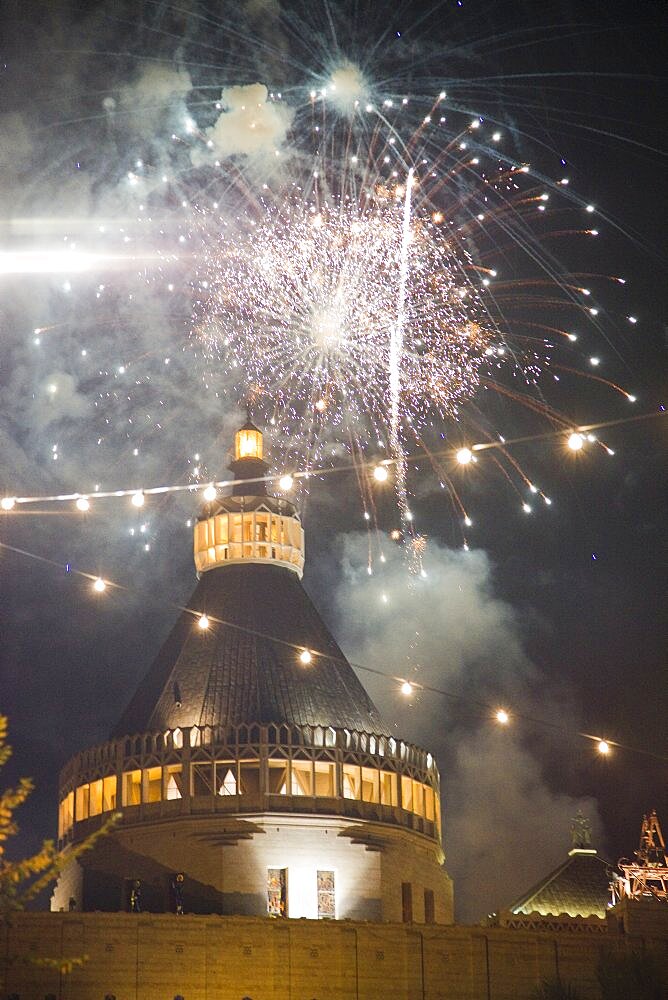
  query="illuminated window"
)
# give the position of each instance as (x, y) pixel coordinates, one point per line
(261, 527)
(418, 798)
(95, 798)
(370, 785)
(173, 776)
(437, 803)
(228, 785)
(351, 782)
(131, 788)
(277, 892)
(278, 777)
(82, 802)
(109, 793)
(325, 779)
(153, 784)
(302, 777)
(388, 788)
(429, 803)
(66, 814)
(406, 793)
(326, 896)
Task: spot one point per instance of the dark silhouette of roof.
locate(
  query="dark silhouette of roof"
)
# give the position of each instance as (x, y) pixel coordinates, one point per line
(580, 886)
(250, 673)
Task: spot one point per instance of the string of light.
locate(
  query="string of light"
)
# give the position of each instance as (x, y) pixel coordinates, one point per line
(503, 716)
(575, 437)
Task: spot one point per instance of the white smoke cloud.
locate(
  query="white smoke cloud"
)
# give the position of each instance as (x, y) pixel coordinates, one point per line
(250, 123)
(156, 84)
(451, 631)
(58, 399)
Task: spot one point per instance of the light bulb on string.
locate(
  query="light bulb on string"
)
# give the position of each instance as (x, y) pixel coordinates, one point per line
(575, 441)
(502, 716)
(7, 503)
(138, 499)
(603, 747)
(83, 503)
(305, 657)
(406, 688)
(464, 456)
(99, 586)
(380, 474)
(286, 482)
(210, 493)
(203, 622)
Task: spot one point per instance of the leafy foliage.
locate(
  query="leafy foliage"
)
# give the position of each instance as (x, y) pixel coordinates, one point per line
(22, 880)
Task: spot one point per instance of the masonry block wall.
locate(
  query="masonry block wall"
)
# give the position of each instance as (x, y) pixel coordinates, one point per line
(161, 956)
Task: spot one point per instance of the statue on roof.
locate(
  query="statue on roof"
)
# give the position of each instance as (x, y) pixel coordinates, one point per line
(581, 832)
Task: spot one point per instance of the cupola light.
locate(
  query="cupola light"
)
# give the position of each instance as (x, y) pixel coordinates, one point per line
(248, 442)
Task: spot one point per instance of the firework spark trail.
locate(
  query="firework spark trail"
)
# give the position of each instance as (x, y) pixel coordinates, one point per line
(396, 354)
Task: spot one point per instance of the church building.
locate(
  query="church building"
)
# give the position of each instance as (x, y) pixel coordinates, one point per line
(253, 772)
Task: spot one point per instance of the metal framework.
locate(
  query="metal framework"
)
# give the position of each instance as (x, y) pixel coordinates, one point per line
(648, 874)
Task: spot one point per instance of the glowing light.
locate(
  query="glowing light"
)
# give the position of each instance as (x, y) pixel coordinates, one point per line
(137, 499)
(305, 657)
(464, 456)
(502, 717)
(380, 473)
(321, 405)
(575, 441)
(7, 503)
(286, 482)
(527, 508)
(603, 747)
(83, 503)
(203, 622)
(395, 535)
(210, 493)
(631, 398)
(407, 688)
(99, 586)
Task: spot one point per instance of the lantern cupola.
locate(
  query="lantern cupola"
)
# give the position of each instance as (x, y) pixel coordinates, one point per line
(248, 462)
(250, 525)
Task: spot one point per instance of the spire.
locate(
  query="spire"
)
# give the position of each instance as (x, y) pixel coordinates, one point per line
(246, 667)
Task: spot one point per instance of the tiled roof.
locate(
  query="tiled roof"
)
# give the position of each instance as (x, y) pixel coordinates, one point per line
(229, 676)
(580, 886)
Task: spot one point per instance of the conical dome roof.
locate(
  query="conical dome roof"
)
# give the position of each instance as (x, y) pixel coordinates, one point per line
(248, 669)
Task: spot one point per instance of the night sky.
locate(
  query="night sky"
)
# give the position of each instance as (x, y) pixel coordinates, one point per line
(560, 616)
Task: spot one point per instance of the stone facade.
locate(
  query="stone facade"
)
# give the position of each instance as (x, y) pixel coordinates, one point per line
(159, 957)
(226, 865)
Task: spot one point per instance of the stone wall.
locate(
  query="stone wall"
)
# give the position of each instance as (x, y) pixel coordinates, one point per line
(160, 956)
(226, 863)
